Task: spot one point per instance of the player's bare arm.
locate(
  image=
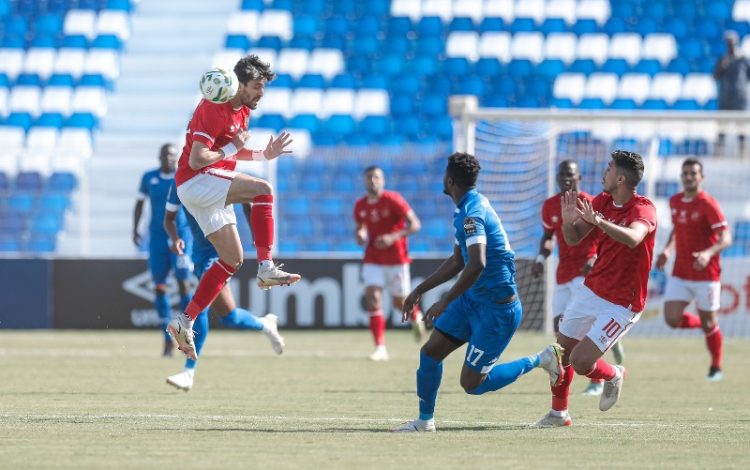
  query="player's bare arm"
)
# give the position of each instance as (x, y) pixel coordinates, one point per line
(661, 260)
(360, 233)
(137, 212)
(275, 148)
(177, 244)
(413, 225)
(702, 258)
(546, 245)
(630, 236)
(574, 227)
(447, 270)
(202, 156)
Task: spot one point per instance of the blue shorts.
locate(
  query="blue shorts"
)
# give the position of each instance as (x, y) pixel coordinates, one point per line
(486, 325)
(161, 260)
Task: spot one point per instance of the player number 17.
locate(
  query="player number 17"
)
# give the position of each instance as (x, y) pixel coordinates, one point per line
(473, 350)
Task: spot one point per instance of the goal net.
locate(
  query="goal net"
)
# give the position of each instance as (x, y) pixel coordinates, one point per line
(520, 149)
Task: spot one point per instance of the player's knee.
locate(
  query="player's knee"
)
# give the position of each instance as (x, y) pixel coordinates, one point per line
(470, 385)
(263, 188)
(673, 321)
(708, 324)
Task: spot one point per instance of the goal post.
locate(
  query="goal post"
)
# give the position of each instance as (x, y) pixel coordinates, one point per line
(519, 150)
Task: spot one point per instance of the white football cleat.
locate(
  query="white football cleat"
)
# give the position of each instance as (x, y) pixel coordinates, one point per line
(182, 381)
(416, 425)
(550, 359)
(271, 330)
(380, 354)
(553, 421)
(593, 389)
(715, 374)
(181, 329)
(273, 276)
(612, 390)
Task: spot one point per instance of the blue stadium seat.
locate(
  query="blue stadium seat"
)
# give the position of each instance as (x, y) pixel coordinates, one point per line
(28, 79)
(282, 5)
(301, 42)
(431, 46)
(550, 68)
(82, 120)
(366, 25)
(306, 26)
(455, 68)
(691, 49)
(679, 65)
(399, 26)
(30, 181)
(646, 26)
(488, 67)
(616, 66)
(397, 45)
(553, 25)
(46, 223)
(375, 81)
(422, 65)
(402, 104)
(685, 104)
(44, 40)
(520, 68)
(62, 181)
(11, 222)
(305, 121)
(364, 46)
(435, 105)
(269, 42)
(375, 126)
(106, 41)
(359, 65)
(340, 125)
(585, 26)
(591, 103)
(442, 128)
(468, 86)
(15, 25)
(647, 66)
(407, 84)
(430, 26)
(272, 121)
(561, 103)
(21, 202)
(461, 23)
(623, 103)
(61, 79)
(59, 7)
(22, 120)
(331, 42)
(312, 80)
(42, 243)
(615, 25)
(667, 188)
(237, 41)
(491, 24)
(75, 41)
(336, 26)
(584, 66)
(523, 25)
(282, 80)
(121, 5)
(344, 80)
(9, 243)
(409, 125)
(653, 103)
(677, 26)
(390, 64)
(93, 79)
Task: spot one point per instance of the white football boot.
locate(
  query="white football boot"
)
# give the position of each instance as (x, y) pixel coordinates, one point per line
(416, 425)
(181, 329)
(273, 276)
(550, 359)
(182, 381)
(552, 421)
(612, 390)
(380, 354)
(271, 330)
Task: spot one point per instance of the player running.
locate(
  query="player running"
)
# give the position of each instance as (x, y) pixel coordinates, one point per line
(613, 295)
(574, 261)
(208, 186)
(204, 255)
(384, 219)
(700, 232)
(154, 187)
(481, 308)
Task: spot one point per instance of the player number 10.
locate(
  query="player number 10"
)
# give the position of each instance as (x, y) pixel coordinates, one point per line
(474, 350)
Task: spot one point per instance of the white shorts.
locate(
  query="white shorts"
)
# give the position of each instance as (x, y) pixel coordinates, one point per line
(205, 197)
(395, 279)
(707, 294)
(601, 320)
(564, 294)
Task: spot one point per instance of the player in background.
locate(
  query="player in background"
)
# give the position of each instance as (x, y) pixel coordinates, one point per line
(384, 219)
(208, 186)
(613, 295)
(204, 255)
(154, 187)
(482, 307)
(575, 262)
(700, 232)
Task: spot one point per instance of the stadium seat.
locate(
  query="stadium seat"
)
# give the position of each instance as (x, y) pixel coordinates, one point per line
(306, 101)
(666, 86)
(625, 46)
(593, 46)
(495, 45)
(561, 46)
(527, 46)
(463, 44)
(81, 22)
(62, 181)
(563, 9)
(500, 9)
(634, 86)
(571, 86)
(599, 10)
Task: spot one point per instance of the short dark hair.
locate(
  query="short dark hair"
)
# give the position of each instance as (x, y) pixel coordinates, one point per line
(464, 169)
(167, 149)
(630, 165)
(692, 161)
(566, 163)
(371, 168)
(251, 68)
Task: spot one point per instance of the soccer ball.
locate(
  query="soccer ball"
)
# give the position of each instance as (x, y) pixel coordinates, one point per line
(218, 85)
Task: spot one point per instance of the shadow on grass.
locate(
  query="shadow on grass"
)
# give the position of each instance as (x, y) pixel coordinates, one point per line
(352, 430)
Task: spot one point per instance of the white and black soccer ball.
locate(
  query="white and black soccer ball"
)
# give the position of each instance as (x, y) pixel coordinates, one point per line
(219, 85)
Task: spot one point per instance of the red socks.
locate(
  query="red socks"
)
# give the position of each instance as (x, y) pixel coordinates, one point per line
(690, 320)
(209, 287)
(602, 370)
(377, 327)
(713, 342)
(261, 222)
(561, 392)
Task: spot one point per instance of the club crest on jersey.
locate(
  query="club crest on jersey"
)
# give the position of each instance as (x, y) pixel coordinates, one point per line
(555, 219)
(470, 226)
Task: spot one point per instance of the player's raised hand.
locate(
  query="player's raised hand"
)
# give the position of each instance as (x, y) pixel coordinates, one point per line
(410, 302)
(570, 212)
(278, 145)
(586, 212)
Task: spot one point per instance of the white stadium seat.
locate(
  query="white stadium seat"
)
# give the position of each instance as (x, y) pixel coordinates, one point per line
(70, 61)
(8, 162)
(598, 10)
(302, 144)
(115, 22)
(700, 87)
(625, 46)
(530, 9)
(527, 46)
(75, 142)
(369, 102)
(276, 23)
(463, 44)
(81, 22)
(57, 99)
(90, 99)
(440, 8)
(561, 46)
(276, 101)
(227, 58)
(565, 9)
(500, 9)
(666, 86)
(410, 8)
(602, 86)
(659, 46)
(102, 61)
(4, 92)
(11, 61)
(468, 8)
(266, 55)
(495, 44)
(244, 23)
(13, 139)
(306, 101)
(741, 10)
(39, 60)
(42, 140)
(293, 62)
(337, 101)
(634, 86)
(593, 46)
(326, 62)
(25, 99)
(569, 85)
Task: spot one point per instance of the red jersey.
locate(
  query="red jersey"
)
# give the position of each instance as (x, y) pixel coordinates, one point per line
(214, 125)
(386, 215)
(572, 258)
(697, 223)
(620, 274)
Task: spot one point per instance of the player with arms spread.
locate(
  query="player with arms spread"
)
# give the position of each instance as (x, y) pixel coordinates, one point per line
(481, 308)
(154, 187)
(700, 232)
(384, 219)
(613, 295)
(208, 186)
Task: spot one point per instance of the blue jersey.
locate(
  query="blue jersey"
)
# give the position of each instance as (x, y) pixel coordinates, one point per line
(203, 250)
(475, 221)
(155, 186)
